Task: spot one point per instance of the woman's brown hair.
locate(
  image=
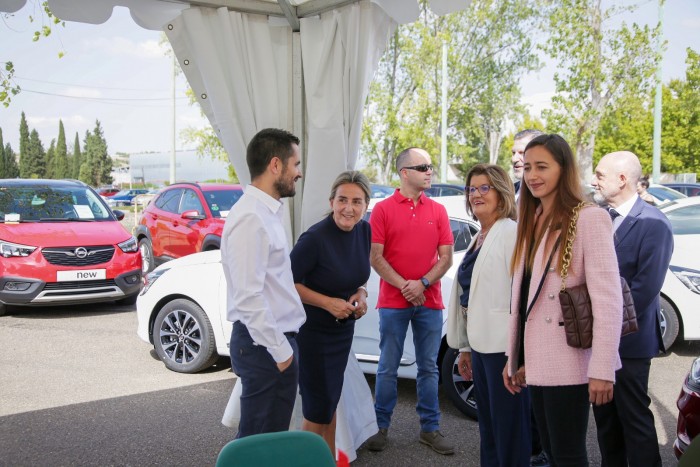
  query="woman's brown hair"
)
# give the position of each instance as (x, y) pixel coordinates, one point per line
(569, 194)
(503, 185)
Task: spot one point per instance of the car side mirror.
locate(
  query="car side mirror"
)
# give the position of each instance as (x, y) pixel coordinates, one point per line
(118, 214)
(193, 215)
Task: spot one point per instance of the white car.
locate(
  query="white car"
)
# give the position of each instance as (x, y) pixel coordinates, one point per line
(663, 195)
(182, 312)
(680, 294)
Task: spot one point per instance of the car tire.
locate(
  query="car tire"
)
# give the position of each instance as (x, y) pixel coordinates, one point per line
(128, 301)
(670, 325)
(459, 391)
(183, 337)
(147, 261)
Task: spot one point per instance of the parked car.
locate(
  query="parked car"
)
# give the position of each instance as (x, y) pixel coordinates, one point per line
(680, 294)
(142, 200)
(663, 194)
(124, 197)
(688, 189)
(182, 313)
(688, 410)
(61, 244)
(444, 189)
(184, 218)
(381, 191)
(107, 191)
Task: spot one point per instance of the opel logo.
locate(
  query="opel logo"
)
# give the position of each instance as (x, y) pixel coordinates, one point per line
(81, 252)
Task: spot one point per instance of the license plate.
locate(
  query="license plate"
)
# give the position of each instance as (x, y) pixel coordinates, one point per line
(82, 275)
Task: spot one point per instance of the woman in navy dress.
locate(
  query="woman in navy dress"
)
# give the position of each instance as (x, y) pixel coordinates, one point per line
(330, 263)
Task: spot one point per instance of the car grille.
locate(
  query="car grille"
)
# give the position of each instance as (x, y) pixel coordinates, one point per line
(68, 256)
(57, 289)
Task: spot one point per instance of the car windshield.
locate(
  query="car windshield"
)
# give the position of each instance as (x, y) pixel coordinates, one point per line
(665, 194)
(45, 203)
(685, 220)
(221, 201)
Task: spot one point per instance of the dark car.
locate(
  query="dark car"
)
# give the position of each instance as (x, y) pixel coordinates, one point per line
(124, 197)
(184, 218)
(688, 410)
(688, 189)
(444, 189)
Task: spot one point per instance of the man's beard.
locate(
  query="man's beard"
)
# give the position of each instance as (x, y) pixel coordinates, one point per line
(284, 190)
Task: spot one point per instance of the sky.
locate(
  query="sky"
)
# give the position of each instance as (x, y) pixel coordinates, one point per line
(118, 73)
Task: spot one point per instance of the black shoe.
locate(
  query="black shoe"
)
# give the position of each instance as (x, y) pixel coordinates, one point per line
(377, 442)
(540, 460)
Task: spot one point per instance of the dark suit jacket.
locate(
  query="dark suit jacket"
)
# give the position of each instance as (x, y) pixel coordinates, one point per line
(516, 185)
(644, 244)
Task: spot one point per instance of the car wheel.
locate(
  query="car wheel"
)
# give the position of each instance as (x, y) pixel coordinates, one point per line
(459, 391)
(183, 337)
(147, 261)
(128, 301)
(669, 323)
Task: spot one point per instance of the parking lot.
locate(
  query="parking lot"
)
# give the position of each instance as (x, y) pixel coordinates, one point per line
(79, 388)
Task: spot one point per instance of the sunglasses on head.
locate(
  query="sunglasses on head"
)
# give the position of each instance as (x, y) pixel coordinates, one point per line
(483, 189)
(420, 168)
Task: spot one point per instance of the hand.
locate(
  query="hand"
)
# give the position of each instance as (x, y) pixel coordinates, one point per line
(281, 366)
(600, 391)
(464, 366)
(360, 300)
(515, 383)
(339, 308)
(413, 292)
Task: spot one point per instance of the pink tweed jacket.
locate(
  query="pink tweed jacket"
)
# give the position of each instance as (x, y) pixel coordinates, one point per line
(549, 361)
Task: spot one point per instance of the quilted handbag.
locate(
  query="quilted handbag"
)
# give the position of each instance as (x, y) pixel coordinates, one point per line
(576, 302)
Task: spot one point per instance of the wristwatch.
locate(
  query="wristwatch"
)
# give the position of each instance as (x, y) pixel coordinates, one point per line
(425, 282)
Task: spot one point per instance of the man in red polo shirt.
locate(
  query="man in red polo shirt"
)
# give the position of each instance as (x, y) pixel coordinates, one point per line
(411, 251)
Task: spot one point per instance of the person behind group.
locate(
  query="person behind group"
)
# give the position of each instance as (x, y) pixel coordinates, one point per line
(478, 317)
(411, 250)
(643, 244)
(562, 380)
(261, 300)
(330, 264)
(520, 140)
(642, 187)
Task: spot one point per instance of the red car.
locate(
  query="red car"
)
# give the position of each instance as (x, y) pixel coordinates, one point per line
(108, 191)
(61, 244)
(688, 410)
(184, 218)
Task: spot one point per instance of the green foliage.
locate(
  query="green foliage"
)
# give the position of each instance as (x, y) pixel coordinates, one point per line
(8, 88)
(61, 168)
(77, 159)
(597, 64)
(23, 146)
(489, 48)
(36, 157)
(11, 167)
(49, 162)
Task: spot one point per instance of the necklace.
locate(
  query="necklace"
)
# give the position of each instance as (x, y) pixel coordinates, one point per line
(481, 237)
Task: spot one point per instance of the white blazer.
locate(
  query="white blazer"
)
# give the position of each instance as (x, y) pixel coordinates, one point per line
(486, 328)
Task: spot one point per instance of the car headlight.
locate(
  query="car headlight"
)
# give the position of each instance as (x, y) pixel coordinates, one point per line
(689, 277)
(129, 246)
(8, 249)
(150, 279)
(694, 375)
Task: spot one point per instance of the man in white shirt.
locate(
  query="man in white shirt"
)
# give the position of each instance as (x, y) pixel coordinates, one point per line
(262, 301)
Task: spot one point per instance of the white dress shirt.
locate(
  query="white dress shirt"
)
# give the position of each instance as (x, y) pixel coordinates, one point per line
(260, 288)
(623, 210)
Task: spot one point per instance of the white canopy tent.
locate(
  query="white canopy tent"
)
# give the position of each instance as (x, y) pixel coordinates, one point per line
(301, 65)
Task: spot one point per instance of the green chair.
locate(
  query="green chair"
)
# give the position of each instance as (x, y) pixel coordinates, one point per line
(281, 449)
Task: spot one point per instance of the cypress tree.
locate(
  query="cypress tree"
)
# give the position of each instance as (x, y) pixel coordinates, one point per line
(77, 158)
(23, 146)
(49, 169)
(86, 173)
(61, 167)
(11, 166)
(36, 157)
(101, 160)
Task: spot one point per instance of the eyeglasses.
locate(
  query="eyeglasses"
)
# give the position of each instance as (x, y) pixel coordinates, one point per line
(420, 168)
(483, 189)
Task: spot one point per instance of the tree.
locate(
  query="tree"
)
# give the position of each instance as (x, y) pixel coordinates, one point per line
(49, 171)
(23, 146)
(96, 168)
(61, 167)
(489, 49)
(11, 167)
(598, 62)
(36, 157)
(77, 158)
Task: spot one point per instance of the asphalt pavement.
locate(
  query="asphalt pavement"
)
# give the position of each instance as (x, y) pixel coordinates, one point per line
(79, 388)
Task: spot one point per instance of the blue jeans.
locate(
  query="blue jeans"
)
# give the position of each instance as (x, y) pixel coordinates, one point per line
(426, 324)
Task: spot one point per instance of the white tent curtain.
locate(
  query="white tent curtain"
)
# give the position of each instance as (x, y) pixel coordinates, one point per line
(240, 67)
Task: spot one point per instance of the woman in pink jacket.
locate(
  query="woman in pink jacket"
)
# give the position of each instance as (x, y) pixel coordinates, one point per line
(563, 380)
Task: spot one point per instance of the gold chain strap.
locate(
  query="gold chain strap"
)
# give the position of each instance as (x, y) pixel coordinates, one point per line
(568, 249)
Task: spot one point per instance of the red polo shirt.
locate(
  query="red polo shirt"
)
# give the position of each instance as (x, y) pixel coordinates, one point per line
(411, 236)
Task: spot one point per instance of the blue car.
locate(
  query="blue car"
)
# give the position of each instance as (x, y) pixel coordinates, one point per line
(124, 197)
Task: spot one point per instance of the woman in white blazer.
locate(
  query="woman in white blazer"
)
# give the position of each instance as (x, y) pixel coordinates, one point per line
(478, 318)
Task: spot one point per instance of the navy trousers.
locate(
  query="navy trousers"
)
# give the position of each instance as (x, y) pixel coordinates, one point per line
(504, 419)
(268, 395)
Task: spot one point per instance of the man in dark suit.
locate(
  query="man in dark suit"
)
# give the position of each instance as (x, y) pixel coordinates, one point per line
(644, 243)
(520, 140)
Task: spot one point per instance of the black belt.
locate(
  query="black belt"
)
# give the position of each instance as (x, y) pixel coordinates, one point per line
(291, 334)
